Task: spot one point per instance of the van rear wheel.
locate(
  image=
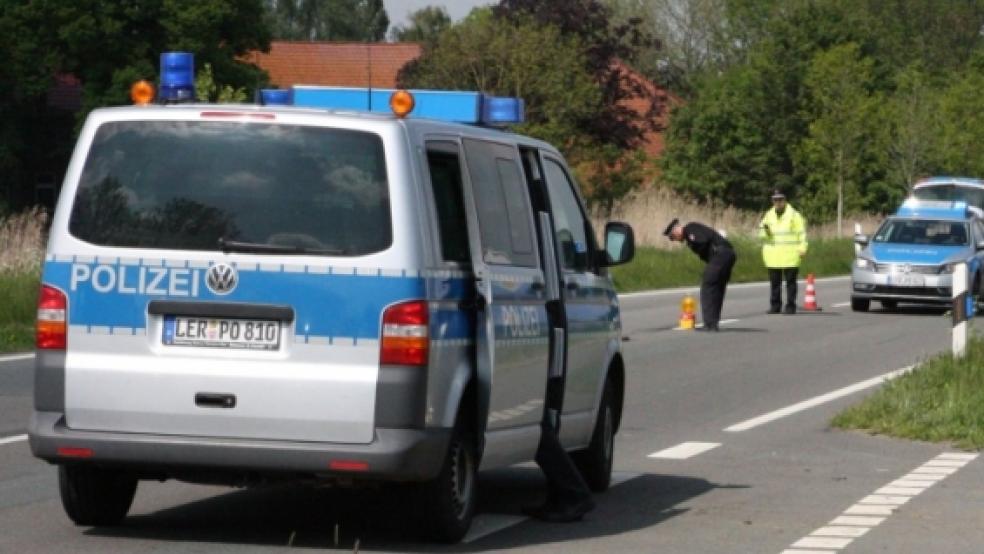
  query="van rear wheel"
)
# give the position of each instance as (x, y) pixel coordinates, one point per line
(595, 461)
(447, 503)
(95, 496)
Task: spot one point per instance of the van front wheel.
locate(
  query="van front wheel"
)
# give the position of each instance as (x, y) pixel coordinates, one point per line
(595, 461)
(95, 496)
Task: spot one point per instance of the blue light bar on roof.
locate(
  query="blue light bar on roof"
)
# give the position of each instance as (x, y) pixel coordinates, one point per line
(177, 77)
(941, 209)
(443, 105)
(275, 97)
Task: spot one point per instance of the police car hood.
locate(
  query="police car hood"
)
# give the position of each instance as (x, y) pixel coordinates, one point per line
(923, 254)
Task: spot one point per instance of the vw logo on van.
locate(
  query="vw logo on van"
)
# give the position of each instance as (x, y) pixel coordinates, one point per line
(221, 278)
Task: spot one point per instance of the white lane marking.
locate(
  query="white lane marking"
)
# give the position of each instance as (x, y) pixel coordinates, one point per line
(678, 290)
(815, 401)
(15, 357)
(855, 521)
(840, 305)
(13, 439)
(801, 551)
(486, 524)
(701, 325)
(684, 450)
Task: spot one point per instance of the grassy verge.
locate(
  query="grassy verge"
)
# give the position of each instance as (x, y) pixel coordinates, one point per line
(18, 306)
(654, 268)
(942, 400)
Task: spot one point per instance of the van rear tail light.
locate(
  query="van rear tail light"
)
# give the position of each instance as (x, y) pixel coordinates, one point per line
(406, 338)
(51, 328)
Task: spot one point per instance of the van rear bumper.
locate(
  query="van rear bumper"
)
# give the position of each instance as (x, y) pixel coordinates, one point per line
(393, 455)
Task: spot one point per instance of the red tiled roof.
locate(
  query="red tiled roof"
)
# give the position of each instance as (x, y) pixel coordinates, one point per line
(335, 63)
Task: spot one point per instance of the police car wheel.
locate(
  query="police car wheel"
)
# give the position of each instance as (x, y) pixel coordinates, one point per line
(95, 496)
(860, 304)
(448, 502)
(595, 462)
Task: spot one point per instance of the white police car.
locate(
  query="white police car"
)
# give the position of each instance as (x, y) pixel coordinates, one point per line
(912, 255)
(237, 293)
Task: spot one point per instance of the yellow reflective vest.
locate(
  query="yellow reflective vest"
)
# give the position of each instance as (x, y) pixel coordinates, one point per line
(786, 244)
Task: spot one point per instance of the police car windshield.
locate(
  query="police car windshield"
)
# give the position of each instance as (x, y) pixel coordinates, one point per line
(923, 231)
(262, 188)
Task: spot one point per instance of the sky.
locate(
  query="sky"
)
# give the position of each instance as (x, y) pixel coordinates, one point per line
(398, 10)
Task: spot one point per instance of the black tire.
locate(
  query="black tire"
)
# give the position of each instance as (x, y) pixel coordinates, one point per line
(595, 461)
(890, 305)
(860, 304)
(95, 496)
(447, 503)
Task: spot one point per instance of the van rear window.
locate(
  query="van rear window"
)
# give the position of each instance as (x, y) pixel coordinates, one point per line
(191, 184)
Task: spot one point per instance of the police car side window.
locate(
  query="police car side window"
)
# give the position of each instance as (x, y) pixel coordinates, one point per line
(504, 214)
(569, 222)
(444, 166)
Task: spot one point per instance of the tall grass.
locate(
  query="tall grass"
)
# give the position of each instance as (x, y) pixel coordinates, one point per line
(649, 210)
(21, 250)
(678, 266)
(940, 400)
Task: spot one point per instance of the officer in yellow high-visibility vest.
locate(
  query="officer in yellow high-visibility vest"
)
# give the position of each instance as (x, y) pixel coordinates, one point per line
(783, 234)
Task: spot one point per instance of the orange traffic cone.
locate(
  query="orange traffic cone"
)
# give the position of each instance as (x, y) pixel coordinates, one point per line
(688, 308)
(810, 299)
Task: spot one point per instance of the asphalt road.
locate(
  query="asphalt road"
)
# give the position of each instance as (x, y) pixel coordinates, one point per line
(700, 469)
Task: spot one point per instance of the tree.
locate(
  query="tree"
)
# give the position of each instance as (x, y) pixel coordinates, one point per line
(359, 20)
(426, 25)
(839, 82)
(911, 118)
(107, 46)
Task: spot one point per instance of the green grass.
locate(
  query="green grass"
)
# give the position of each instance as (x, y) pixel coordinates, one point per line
(942, 400)
(653, 268)
(18, 307)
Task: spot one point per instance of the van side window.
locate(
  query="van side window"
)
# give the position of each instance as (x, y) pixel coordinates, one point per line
(504, 214)
(445, 172)
(569, 223)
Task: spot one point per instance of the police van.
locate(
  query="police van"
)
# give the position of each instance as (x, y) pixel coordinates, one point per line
(239, 294)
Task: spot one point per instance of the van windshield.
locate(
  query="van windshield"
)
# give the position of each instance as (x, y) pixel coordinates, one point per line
(971, 195)
(199, 185)
(923, 231)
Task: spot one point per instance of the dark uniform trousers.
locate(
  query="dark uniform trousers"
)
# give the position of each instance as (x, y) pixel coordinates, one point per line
(776, 277)
(717, 273)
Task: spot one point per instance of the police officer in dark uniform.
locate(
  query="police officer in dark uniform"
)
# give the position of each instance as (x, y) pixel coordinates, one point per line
(720, 257)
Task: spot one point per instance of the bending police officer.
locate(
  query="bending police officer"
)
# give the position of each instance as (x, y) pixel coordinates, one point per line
(720, 257)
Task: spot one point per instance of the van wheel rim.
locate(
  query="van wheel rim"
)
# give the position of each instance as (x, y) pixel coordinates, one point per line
(462, 479)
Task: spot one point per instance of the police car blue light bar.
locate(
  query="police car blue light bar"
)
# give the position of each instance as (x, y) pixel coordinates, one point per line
(943, 209)
(177, 77)
(442, 105)
(275, 97)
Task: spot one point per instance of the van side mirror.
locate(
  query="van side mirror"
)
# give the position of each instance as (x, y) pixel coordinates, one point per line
(980, 245)
(861, 239)
(619, 243)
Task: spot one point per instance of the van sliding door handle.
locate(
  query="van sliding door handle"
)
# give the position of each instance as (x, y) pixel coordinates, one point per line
(572, 286)
(215, 400)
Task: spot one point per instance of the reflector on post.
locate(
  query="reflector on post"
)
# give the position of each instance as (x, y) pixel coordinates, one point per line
(177, 77)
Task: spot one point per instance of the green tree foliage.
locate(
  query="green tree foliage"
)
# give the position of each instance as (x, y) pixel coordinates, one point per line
(360, 20)
(426, 25)
(794, 80)
(107, 46)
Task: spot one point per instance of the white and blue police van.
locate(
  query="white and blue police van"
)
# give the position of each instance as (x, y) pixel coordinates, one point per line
(324, 290)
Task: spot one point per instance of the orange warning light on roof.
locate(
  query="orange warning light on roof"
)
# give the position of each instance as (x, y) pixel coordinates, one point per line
(401, 102)
(142, 93)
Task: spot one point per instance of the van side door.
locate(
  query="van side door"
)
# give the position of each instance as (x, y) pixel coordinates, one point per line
(512, 332)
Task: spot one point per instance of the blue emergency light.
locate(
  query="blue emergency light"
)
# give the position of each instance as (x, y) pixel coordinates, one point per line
(473, 108)
(275, 97)
(941, 209)
(177, 77)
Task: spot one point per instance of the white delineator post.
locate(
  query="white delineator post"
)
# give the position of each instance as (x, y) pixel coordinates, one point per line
(960, 315)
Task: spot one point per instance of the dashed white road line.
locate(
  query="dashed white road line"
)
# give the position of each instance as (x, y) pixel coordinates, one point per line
(15, 357)
(13, 439)
(815, 401)
(840, 305)
(858, 519)
(684, 450)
